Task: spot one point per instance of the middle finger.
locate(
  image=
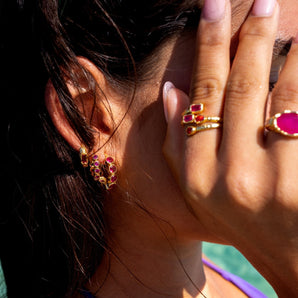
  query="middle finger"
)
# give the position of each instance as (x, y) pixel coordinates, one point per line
(248, 85)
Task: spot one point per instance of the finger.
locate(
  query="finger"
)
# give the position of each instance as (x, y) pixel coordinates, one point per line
(285, 97)
(175, 102)
(248, 85)
(183, 160)
(212, 60)
(285, 93)
(210, 73)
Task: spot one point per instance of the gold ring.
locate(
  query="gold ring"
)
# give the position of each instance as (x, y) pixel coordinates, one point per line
(285, 123)
(192, 130)
(196, 122)
(199, 119)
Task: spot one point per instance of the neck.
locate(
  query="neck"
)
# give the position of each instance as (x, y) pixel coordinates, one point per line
(149, 260)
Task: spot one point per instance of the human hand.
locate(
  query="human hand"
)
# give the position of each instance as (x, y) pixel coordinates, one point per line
(240, 182)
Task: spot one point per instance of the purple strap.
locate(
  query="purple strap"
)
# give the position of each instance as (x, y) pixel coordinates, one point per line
(241, 284)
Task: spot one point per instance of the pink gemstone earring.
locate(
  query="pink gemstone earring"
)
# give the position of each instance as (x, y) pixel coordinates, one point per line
(104, 173)
(110, 170)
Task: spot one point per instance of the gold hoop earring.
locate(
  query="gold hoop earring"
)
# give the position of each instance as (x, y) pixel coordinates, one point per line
(104, 173)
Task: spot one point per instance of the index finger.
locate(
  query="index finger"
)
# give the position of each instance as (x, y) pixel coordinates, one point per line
(212, 59)
(210, 73)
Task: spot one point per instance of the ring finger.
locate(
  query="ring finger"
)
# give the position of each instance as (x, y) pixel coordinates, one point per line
(285, 97)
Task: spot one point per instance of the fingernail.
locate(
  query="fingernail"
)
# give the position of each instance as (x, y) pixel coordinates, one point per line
(214, 10)
(166, 88)
(263, 8)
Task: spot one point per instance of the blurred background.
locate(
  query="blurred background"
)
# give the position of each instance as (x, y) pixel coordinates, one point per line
(230, 259)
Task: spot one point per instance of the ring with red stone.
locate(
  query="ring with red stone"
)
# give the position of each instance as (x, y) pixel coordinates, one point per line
(199, 119)
(194, 109)
(192, 130)
(285, 123)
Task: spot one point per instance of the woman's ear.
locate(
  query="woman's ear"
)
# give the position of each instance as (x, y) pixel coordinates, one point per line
(94, 105)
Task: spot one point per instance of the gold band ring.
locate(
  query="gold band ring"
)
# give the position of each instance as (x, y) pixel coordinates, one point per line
(192, 130)
(199, 119)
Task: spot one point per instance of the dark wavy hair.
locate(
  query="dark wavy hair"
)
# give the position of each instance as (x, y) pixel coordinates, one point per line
(52, 221)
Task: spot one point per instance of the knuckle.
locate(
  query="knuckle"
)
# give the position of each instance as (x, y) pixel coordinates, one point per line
(211, 41)
(280, 192)
(242, 189)
(198, 185)
(210, 36)
(255, 32)
(234, 186)
(194, 187)
(207, 88)
(285, 92)
(243, 86)
(285, 191)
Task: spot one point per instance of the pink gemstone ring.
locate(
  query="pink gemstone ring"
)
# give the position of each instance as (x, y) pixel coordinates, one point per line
(198, 119)
(194, 109)
(285, 123)
(196, 122)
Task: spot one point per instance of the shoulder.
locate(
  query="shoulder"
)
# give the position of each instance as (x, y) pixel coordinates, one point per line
(229, 283)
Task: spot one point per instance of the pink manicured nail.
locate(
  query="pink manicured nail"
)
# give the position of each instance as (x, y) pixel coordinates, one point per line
(214, 10)
(263, 8)
(166, 88)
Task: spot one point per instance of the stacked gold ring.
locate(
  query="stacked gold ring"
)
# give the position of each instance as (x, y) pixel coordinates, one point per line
(196, 122)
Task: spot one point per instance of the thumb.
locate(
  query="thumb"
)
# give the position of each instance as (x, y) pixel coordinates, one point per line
(175, 102)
